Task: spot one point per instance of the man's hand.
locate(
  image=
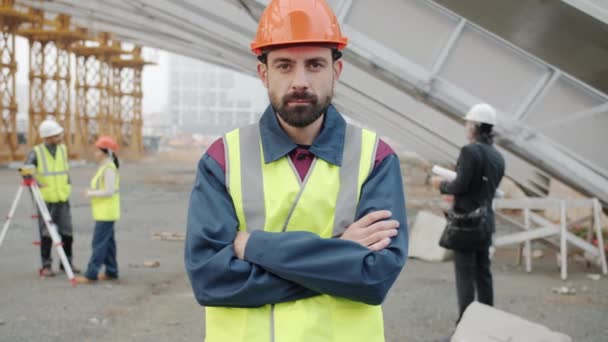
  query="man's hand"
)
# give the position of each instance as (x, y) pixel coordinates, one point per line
(371, 231)
(436, 182)
(240, 242)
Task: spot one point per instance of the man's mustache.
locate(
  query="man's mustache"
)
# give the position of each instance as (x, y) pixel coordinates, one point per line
(300, 96)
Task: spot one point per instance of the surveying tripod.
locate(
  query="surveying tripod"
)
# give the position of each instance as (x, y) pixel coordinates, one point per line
(27, 173)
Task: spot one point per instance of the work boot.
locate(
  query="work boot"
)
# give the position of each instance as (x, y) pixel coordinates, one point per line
(104, 276)
(46, 272)
(85, 280)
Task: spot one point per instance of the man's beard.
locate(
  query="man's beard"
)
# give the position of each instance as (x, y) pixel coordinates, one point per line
(300, 115)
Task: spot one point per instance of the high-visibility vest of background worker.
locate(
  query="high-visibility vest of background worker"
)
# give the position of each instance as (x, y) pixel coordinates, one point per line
(104, 193)
(52, 175)
(297, 224)
(479, 170)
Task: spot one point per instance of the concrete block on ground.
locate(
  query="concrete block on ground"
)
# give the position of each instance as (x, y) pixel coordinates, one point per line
(424, 238)
(481, 323)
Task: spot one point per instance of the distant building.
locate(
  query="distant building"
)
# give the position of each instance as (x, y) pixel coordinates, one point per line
(206, 99)
(157, 124)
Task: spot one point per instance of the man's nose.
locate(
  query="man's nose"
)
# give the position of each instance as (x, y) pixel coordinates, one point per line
(300, 79)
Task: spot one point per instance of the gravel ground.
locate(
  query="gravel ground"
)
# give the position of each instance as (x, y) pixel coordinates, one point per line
(156, 304)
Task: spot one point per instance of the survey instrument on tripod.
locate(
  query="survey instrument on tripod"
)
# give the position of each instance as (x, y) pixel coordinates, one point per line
(29, 181)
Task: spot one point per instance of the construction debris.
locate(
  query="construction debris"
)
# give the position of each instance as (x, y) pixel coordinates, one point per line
(592, 258)
(484, 323)
(536, 254)
(148, 264)
(169, 236)
(565, 290)
(152, 264)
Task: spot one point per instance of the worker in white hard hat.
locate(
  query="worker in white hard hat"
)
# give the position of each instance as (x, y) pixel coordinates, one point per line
(52, 174)
(479, 170)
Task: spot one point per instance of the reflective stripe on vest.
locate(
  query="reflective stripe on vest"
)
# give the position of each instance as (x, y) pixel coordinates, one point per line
(105, 208)
(52, 173)
(272, 197)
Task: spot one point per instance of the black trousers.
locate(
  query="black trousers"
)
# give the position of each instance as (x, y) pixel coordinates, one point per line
(473, 276)
(62, 217)
(46, 245)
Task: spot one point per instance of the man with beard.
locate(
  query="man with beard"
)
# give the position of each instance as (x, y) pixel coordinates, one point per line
(52, 174)
(296, 224)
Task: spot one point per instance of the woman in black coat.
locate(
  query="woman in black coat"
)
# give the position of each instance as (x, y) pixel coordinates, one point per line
(479, 169)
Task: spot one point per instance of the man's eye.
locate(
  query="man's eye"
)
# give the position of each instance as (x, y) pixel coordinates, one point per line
(283, 67)
(315, 66)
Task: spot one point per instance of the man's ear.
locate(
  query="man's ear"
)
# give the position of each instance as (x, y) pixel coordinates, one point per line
(338, 65)
(263, 73)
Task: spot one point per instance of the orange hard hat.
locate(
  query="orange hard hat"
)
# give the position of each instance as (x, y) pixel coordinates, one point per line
(107, 142)
(287, 22)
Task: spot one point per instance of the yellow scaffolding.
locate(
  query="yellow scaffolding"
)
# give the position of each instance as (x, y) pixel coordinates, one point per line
(50, 74)
(128, 96)
(10, 19)
(108, 83)
(94, 89)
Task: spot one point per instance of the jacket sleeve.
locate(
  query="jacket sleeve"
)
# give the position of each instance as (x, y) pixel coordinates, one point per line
(217, 276)
(31, 159)
(339, 267)
(464, 173)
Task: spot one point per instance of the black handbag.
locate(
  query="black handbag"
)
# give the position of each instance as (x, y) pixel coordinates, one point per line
(467, 231)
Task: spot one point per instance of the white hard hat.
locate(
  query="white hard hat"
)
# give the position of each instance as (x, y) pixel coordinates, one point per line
(482, 113)
(49, 127)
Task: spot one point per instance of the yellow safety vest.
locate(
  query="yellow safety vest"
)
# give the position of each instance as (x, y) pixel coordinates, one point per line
(52, 173)
(105, 208)
(272, 197)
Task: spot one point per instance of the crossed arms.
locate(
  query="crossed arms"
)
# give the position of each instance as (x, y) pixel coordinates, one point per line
(235, 269)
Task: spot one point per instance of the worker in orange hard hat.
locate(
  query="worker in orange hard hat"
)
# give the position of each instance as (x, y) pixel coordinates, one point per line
(286, 23)
(297, 224)
(105, 207)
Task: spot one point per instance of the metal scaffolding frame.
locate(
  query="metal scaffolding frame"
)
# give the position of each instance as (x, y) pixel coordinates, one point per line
(128, 100)
(10, 20)
(94, 88)
(50, 74)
